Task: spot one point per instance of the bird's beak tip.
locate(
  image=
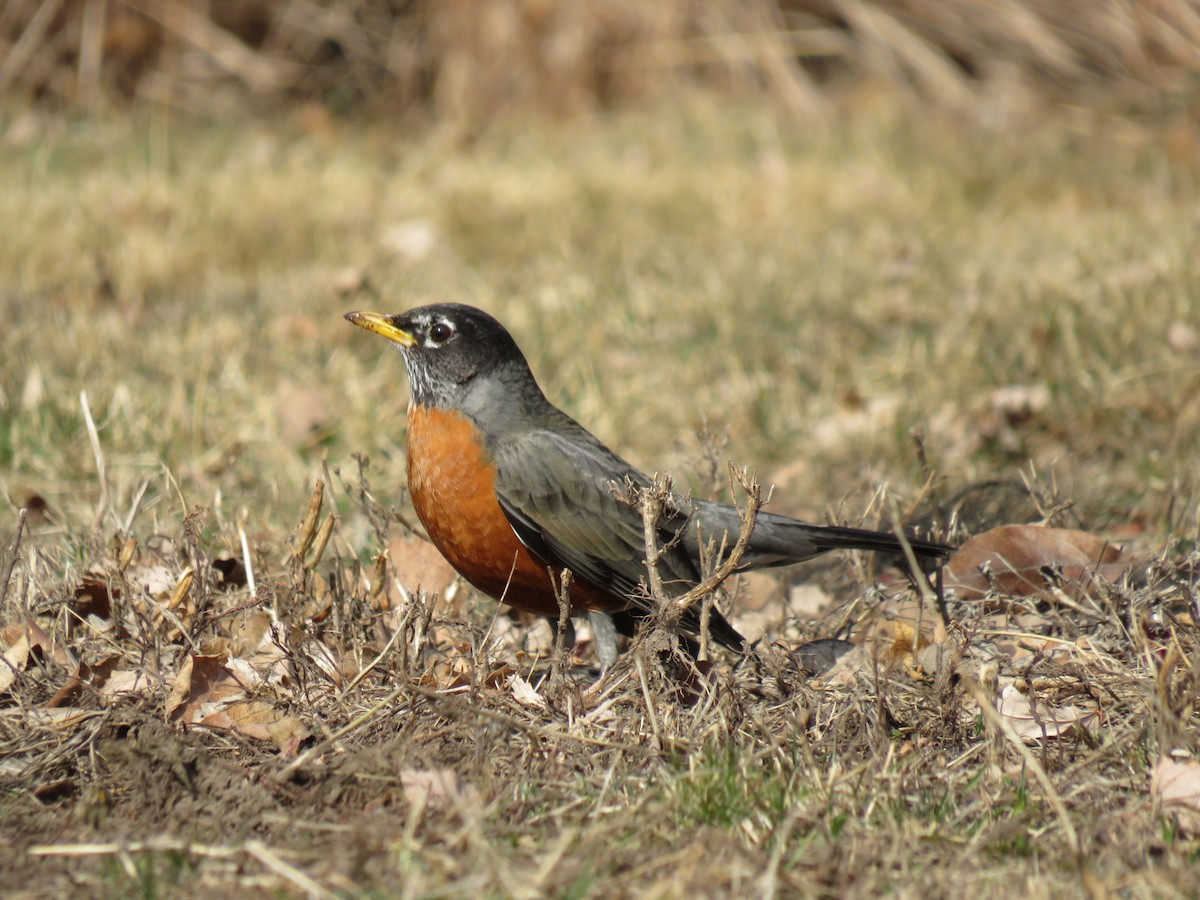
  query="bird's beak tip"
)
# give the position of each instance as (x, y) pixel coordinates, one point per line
(382, 325)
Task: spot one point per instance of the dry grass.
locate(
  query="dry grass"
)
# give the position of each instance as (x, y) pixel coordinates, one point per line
(812, 294)
(466, 61)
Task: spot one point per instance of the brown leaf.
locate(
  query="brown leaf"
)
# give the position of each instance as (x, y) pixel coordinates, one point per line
(126, 681)
(208, 692)
(201, 680)
(1175, 786)
(261, 721)
(20, 641)
(13, 661)
(249, 632)
(808, 600)
(524, 693)
(157, 582)
(416, 563)
(1044, 723)
(93, 676)
(434, 786)
(1028, 560)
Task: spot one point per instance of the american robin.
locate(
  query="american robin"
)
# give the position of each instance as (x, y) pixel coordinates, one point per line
(512, 490)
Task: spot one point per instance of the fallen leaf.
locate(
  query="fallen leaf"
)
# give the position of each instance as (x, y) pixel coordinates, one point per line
(416, 563)
(261, 721)
(434, 786)
(808, 600)
(1175, 786)
(93, 676)
(524, 693)
(12, 662)
(157, 582)
(201, 680)
(126, 681)
(1030, 560)
(209, 693)
(20, 641)
(1046, 722)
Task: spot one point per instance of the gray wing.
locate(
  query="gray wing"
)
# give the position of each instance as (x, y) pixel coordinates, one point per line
(557, 493)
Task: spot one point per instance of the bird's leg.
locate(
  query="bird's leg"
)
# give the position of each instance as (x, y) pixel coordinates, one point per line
(605, 634)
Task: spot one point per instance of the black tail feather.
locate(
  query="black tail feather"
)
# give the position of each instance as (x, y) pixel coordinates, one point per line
(835, 537)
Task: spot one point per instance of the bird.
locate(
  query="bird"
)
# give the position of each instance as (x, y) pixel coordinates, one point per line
(512, 490)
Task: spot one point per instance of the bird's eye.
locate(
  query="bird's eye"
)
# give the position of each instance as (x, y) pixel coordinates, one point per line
(440, 332)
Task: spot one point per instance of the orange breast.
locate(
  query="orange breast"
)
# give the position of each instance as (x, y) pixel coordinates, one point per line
(452, 483)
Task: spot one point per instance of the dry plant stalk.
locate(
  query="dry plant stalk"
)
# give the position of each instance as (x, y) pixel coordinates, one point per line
(653, 501)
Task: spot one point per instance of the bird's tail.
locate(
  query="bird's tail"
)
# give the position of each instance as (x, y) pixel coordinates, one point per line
(835, 537)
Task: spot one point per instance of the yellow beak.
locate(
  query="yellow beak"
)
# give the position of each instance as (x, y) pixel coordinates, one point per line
(381, 324)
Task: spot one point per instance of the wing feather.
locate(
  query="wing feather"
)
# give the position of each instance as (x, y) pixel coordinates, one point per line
(560, 495)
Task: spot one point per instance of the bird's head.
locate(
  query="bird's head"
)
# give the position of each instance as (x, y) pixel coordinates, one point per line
(448, 349)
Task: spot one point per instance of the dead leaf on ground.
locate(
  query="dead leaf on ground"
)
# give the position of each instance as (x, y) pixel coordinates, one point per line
(93, 677)
(435, 786)
(922, 655)
(1030, 560)
(1175, 787)
(416, 563)
(524, 693)
(20, 641)
(201, 681)
(262, 721)
(808, 600)
(1045, 722)
(157, 582)
(13, 661)
(208, 692)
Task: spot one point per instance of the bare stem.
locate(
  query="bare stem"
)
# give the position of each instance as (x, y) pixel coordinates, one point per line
(749, 515)
(14, 554)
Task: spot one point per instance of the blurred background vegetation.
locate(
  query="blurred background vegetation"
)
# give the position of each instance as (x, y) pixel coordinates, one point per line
(465, 61)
